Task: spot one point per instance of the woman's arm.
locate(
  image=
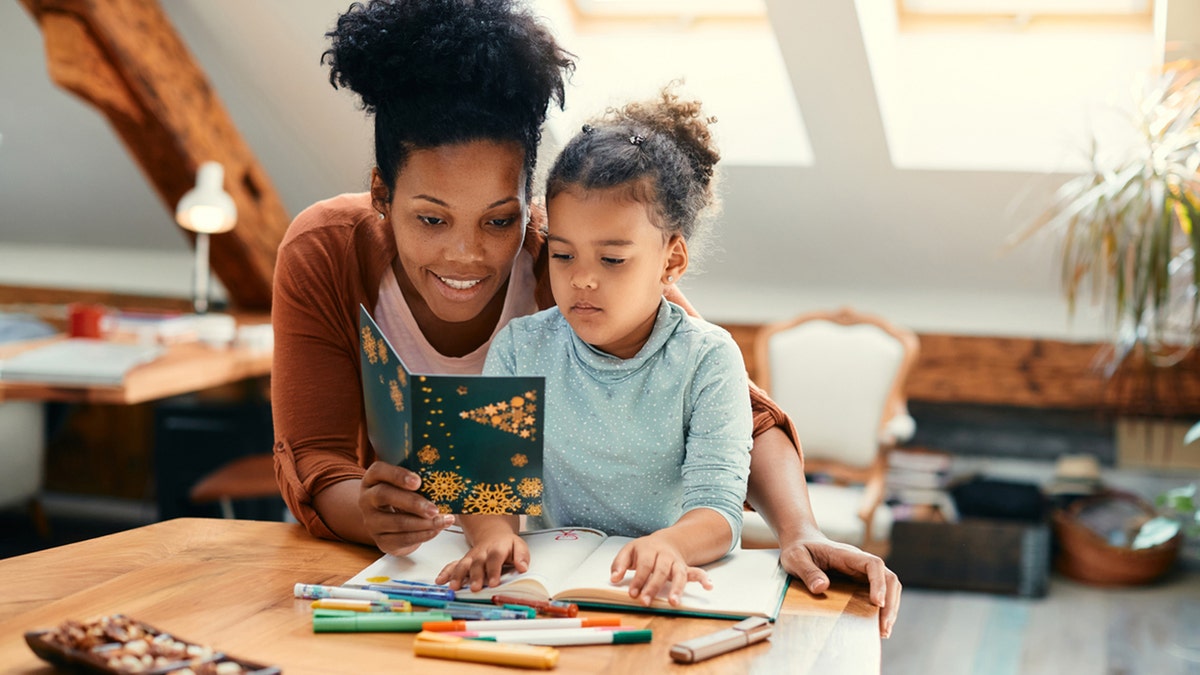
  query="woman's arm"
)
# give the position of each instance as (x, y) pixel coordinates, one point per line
(317, 404)
(779, 493)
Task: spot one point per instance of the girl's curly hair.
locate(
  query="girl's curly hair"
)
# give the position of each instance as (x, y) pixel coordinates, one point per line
(434, 72)
(660, 152)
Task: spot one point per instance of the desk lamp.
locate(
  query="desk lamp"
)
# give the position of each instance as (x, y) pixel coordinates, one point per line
(206, 209)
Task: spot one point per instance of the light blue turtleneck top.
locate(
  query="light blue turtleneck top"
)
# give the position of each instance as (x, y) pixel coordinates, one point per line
(633, 444)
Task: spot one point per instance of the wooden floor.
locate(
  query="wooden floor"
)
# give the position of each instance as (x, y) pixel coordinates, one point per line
(1075, 629)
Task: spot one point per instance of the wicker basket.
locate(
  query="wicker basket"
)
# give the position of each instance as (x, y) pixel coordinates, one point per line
(1085, 556)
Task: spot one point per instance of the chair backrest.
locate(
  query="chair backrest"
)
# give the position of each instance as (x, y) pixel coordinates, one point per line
(840, 376)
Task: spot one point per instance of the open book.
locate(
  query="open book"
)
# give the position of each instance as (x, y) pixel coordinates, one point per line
(573, 564)
(475, 440)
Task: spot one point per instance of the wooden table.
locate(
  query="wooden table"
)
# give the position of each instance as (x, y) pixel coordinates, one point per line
(228, 584)
(184, 368)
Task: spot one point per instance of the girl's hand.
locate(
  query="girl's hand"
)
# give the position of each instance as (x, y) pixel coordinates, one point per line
(397, 518)
(485, 561)
(657, 565)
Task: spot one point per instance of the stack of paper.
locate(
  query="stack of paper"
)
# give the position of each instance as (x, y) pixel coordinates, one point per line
(78, 361)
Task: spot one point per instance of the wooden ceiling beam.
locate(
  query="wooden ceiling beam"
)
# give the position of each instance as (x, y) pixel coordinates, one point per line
(125, 58)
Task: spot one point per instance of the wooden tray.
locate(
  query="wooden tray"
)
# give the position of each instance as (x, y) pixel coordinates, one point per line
(94, 660)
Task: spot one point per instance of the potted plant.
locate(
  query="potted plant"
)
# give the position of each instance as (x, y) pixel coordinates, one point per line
(1130, 226)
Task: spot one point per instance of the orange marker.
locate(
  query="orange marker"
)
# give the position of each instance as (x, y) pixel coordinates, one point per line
(503, 654)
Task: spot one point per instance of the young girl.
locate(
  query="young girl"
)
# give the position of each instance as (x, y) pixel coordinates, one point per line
(648, 424)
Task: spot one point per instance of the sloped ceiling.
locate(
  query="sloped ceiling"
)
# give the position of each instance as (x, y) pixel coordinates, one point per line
(923, 247)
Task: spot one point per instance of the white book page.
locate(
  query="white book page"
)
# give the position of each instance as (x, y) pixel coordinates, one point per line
(745, 582)
(553, 555)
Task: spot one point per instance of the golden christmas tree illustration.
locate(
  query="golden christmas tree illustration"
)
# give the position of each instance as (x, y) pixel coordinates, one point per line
(517, 416)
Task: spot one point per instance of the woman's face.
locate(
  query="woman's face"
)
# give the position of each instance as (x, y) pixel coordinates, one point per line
(458, 213)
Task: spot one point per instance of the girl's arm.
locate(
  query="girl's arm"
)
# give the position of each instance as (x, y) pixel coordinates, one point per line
(494, 543)
(671, 556)
(715, 469)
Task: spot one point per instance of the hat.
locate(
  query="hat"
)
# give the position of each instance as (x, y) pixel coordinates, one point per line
(1075, 475)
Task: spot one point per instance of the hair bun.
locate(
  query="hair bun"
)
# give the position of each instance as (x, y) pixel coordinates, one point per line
(683, 121)
(396, 51)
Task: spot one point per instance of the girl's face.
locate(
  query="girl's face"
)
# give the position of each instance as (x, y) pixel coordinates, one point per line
(458, 213)
(608, 267)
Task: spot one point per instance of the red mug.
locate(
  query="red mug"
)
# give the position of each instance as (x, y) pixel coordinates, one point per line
(85, 320)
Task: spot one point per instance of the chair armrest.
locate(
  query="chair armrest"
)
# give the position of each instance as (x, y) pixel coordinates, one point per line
(899, 429)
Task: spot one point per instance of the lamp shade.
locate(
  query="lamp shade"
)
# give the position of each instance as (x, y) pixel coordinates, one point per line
(207, 208)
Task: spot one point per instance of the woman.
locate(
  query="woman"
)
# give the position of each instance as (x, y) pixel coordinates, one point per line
(443, 252)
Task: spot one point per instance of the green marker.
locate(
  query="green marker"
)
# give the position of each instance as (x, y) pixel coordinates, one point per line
(376, 622)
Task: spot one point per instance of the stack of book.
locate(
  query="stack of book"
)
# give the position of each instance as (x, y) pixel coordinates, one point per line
(916, 485)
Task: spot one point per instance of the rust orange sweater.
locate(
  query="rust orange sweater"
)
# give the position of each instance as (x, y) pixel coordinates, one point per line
(333, 259)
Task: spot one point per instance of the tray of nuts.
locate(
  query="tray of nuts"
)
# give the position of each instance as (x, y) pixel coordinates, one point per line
(118, 644)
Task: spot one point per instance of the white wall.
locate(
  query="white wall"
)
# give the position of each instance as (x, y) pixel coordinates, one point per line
(923, 247)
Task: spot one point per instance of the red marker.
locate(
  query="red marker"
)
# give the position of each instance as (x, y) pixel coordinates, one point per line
(567, 609)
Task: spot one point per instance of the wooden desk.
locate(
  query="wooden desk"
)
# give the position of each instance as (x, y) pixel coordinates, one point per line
(182, 369)
(228, 584)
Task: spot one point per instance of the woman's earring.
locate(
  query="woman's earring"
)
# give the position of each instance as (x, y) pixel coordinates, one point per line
(381, 216)
(670, 279)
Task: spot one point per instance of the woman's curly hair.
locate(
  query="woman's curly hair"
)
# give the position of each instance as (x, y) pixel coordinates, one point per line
(434, 72)
(660, 152)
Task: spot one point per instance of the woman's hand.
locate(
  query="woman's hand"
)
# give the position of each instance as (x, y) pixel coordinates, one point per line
(397, 518)
(657, 564)
(808, 558)
(495, 544)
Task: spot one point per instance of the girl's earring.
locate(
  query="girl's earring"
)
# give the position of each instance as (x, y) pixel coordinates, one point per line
(670, 279)
(381, 216)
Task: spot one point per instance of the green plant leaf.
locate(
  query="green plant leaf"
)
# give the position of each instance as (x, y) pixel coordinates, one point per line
(1192, 434)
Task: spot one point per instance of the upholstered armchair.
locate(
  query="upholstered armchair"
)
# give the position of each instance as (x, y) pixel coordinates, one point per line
(840, 376)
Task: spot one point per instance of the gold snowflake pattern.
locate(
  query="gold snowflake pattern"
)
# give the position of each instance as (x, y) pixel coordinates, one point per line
(443, 508)
(443, 486)
(428, 454)
(519, 460)
(494, 498)
(369, 345)
(534, 509)
(530, 487)
(402, 376)
(397, 395)
(511, 416)
(462, 390)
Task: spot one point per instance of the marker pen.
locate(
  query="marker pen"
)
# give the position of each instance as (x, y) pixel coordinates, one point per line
(317, 591)
(523, 624)
(375, 622)
(561, 637)
(567, 609)
(741, 634)
(434, 593)
(525, 656)
(362, 605)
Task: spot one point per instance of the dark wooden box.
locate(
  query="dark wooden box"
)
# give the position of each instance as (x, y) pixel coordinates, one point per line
(991, 556)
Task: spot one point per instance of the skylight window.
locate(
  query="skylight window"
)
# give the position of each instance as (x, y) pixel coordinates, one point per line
(725, 53)
(966, 96)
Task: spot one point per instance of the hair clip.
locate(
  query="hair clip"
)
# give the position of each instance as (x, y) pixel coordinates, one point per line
(637, 139)
(587, 128)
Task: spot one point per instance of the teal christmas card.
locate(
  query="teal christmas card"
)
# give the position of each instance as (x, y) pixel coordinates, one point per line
(475, 440)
